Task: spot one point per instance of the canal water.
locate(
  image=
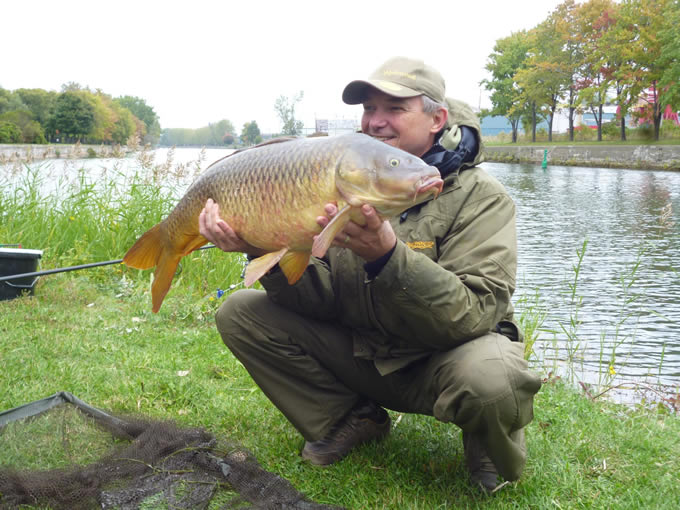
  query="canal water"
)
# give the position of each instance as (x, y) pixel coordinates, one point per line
(599, 255)
(598, 268)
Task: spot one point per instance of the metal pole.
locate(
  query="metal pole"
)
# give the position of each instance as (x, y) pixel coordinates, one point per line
(73, 268)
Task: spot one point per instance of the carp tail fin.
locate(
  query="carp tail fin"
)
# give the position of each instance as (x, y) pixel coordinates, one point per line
(144, 254)
(149, 251)
(162, 278)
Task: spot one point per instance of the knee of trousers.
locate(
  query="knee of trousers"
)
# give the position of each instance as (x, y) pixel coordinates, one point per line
(486, 384)
(238, 313)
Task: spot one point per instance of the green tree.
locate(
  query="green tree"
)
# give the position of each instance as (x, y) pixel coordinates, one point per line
(73, 115)
(145, 113)
(176, 136)
(567, 29)
(669, 38)
(549, 72)
(250, 134)
(643, 68)
(594, 19)
(9, 132)
(285, 109)
(10, 101)
(40, 103)
(72, 86)
(31, 131)
(113, 123)
(219, 130)
(125, 125)
(4, 99)
(510, 54)
(104, 118)
(614, 51)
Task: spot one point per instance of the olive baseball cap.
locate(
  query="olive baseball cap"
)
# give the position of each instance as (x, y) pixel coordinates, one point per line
(399, 77)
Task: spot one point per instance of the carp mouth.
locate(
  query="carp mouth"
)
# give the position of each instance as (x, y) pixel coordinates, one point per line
(428, 185)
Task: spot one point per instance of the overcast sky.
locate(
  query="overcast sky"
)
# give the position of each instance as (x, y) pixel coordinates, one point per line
(198, 61)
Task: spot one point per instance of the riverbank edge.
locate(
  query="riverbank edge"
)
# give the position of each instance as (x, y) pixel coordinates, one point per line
(27, 153)
(637, 157)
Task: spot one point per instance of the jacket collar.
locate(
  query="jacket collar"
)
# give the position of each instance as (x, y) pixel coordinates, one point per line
(445, 161)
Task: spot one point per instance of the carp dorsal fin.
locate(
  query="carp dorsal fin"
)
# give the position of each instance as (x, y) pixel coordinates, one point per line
(259, 266)
(324, 240)
(267, 142)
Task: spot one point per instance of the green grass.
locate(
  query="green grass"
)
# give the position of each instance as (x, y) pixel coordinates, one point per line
(101, 343)
(92, 333)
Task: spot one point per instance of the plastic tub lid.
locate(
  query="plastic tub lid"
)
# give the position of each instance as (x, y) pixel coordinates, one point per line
(19, 253)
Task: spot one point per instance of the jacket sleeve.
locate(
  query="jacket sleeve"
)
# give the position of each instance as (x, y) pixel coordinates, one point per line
(465, 292)
(312, 295)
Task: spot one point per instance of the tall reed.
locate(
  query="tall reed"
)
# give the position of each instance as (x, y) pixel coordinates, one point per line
(91, 219)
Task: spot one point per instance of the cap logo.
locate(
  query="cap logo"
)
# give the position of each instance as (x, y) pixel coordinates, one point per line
(399, 73)
(390, 86)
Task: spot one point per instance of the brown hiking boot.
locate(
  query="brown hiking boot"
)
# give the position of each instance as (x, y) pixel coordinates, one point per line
(366, 422)
(483, 472)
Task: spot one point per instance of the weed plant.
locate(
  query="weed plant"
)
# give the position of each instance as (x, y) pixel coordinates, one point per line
(89, 219)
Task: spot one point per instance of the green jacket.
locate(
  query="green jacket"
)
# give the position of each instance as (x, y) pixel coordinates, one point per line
(450, 278)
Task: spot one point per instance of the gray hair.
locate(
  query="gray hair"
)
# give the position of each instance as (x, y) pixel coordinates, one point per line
(430, 105)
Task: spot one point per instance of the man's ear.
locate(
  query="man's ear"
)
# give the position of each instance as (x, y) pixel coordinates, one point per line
(439, 120)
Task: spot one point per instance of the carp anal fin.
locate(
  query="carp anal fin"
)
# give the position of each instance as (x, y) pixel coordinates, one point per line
(293, 265)
(324, 240)
(259, 266)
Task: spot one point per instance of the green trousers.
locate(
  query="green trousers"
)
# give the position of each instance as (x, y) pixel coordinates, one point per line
(307, 369)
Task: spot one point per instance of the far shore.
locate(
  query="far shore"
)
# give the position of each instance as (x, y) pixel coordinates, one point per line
(606, 155)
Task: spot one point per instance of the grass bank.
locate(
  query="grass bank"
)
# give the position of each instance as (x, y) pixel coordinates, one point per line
(99, 341)
(92, 333)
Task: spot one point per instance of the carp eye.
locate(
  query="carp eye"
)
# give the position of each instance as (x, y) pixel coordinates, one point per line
(394, 163)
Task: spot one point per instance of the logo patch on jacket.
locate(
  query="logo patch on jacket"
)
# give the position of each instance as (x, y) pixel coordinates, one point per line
(420, 245)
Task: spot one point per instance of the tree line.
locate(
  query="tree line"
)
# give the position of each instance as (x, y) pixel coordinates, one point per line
(224, 133)
(77, 113)
(74, 114)
(587, 55)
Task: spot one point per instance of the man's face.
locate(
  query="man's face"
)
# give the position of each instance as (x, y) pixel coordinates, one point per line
(400, 122)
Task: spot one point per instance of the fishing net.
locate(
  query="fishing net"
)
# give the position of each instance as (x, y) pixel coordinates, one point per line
(97, 460)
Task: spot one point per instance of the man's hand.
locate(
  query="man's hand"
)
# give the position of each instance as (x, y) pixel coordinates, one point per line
(218, 232)
(371, 241)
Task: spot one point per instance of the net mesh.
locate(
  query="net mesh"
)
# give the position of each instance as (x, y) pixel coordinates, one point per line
(75, 456)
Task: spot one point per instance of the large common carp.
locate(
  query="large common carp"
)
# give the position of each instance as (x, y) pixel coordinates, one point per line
(272, 194)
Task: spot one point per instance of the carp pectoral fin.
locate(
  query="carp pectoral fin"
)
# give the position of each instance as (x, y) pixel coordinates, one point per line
(259, 266)
(162, 278)
(293, 265)
(144, 254)
(324, 240)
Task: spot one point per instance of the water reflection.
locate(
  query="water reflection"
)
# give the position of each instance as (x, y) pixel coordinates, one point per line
(629, 280)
